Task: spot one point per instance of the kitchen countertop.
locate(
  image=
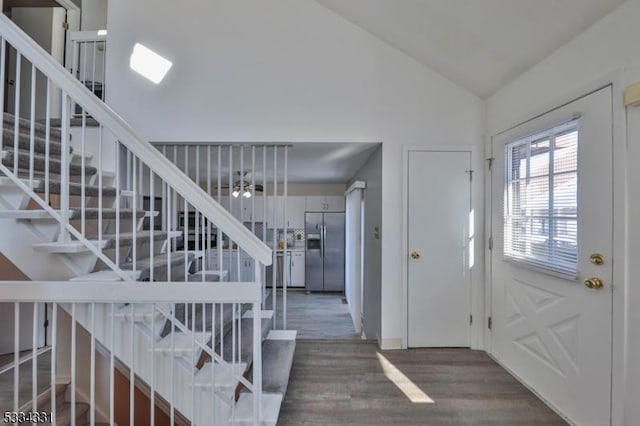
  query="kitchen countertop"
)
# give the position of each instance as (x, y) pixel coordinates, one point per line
(290, 249)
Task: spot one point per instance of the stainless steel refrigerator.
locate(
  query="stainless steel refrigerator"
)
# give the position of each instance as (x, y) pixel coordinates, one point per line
(324, 254)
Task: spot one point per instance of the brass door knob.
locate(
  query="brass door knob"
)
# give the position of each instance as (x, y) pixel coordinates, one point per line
(597, 259)
(415, 255)
(594, 282)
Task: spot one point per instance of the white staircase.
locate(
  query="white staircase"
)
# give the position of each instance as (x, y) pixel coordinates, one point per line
(106, 267)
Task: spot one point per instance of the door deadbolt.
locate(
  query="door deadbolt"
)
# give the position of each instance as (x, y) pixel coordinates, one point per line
(415, 255)
(595, 283)
(597, 259)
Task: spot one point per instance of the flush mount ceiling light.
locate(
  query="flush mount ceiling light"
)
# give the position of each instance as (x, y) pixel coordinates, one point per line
(149, 64)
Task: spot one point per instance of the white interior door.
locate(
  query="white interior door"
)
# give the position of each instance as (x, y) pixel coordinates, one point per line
(549, 328)
(439, 279)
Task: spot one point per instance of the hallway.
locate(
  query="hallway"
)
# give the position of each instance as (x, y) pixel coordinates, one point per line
(350, 382)
(316, 315)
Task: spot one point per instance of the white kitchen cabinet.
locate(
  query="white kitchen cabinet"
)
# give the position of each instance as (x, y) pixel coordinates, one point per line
(297, 269)
(296, 207)
(246, 268)
(253, 212)
(295, 212)
(325, 203)
(276, 221)
(229, 263)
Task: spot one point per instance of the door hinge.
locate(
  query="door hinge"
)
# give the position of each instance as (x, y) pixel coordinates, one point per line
(490, 243)
(65, 25)
(470, 175)
(470, 319)
(490, 162)
(489, 323)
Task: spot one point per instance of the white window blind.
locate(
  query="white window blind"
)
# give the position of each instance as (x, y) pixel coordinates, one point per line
(541, 205)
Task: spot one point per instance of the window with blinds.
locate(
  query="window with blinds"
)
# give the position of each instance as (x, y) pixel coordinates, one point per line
(541, 205)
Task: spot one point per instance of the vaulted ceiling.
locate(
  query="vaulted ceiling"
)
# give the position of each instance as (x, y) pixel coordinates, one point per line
(479, 44)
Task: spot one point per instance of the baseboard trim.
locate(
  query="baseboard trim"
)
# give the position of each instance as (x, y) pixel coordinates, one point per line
(390, 344)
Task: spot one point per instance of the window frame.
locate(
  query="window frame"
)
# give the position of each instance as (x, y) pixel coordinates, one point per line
(561, 269)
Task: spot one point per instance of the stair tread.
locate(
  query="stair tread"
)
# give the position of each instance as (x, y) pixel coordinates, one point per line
(277, 356)
(93, 213)
(63, 247)
(183, 342)
(76, 122)
(225, 377)
(127, 237)
(39, 163)
(90, 213)
(183, 313)
(24, 141)
(209, 276)
(76, 189)
(44, 399)
(106, 275)
(142, 311)
(243, 413)
(63, 413)
(246, 343)
(143, 266)
(25, 124)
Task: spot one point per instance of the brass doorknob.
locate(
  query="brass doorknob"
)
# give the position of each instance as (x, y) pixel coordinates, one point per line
(594, 282)
(415, 255)
(597, 259)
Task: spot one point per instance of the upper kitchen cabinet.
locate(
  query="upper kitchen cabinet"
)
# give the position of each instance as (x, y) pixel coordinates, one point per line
(325, 203)
(253, 209)
(277, 220)
(295, 212)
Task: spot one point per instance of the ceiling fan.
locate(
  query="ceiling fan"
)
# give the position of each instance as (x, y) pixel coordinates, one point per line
(243, 186)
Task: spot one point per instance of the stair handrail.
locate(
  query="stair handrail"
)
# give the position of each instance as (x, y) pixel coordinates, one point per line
(123, 132)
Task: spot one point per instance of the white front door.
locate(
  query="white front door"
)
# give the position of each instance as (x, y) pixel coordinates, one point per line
(549, 328)
(439, 276)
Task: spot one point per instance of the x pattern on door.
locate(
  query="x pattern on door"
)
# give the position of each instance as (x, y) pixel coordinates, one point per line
(554, 341)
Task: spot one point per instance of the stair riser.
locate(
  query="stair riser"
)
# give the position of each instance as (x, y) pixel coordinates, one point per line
(24, 125)
(44, 400)
(38, 164)
(24, 142)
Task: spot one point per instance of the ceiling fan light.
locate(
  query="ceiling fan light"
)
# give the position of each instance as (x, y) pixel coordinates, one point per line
(235, 193)
(246, 194)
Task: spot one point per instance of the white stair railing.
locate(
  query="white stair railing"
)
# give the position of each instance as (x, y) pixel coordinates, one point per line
(117, 201)
(88, 60)
(58, 79)
(127, 319)
(254, 176)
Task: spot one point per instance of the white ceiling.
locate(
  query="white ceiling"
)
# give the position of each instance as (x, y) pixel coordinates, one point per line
(306, 162)
(480, 44)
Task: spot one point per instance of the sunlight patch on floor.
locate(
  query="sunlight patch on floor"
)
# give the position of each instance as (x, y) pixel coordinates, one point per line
(410, 389)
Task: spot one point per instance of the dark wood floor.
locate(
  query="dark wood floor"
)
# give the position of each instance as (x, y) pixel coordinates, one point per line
(340, 382)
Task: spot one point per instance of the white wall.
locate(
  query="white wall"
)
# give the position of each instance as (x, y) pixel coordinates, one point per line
(288, 71)
(93, 15)
(632, 390)
(371, 173)
(607, 51)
